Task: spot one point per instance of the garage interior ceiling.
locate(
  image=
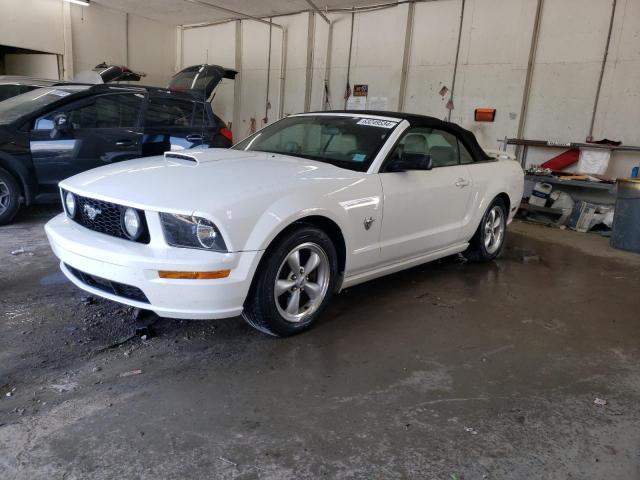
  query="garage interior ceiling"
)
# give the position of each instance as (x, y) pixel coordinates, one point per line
(181, 12)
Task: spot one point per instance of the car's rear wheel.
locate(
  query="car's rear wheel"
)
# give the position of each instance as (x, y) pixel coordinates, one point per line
(294, 283)
(9, 197)
(488, 241)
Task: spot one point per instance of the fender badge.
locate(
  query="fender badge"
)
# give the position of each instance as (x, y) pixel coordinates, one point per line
(368, 221)
(92, 212)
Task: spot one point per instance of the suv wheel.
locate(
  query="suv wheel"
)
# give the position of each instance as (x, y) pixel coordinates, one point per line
(9, 197)
(294, 284)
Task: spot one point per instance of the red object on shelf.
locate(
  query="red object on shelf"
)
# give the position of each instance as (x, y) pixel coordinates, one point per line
(563, 160)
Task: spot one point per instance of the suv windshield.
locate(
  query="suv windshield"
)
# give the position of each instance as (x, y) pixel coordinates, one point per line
(346, 141)
(15, 107)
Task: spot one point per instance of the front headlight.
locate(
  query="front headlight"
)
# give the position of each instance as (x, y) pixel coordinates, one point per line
(70, 204)
(191, 232)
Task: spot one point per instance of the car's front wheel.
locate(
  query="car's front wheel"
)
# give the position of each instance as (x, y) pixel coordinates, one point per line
(294, 283)
(488, 241)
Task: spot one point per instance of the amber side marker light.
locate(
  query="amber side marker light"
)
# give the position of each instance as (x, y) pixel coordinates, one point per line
(194, 275)
(485, 114)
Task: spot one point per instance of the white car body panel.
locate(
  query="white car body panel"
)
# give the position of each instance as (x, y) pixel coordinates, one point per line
(418, 216)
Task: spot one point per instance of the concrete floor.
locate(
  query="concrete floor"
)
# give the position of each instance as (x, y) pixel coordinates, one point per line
(446, 371)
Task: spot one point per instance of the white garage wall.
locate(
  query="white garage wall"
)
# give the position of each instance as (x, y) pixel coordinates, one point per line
(494, 52)
(44, 19)
(99, 35)
(618, 115)
(103, 34)
(215, 45)
(152, 50)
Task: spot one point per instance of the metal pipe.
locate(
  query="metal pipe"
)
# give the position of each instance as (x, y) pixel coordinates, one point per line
(283, 70)
(455, 65)
(327, 69)
(267, 105)
(602, 68)
(232, 12)
(347, 86)
(405, 58)
(311, 34)
(529, 76)
(318, 11)
(237, 89)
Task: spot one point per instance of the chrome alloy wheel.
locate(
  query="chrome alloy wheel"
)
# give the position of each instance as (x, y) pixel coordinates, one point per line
(494, 227)
(302, 282)
(5, 197)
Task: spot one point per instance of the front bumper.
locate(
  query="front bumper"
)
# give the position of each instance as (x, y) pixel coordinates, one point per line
(137, 265)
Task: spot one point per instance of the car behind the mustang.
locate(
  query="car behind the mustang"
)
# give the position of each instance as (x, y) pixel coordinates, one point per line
(272, 228)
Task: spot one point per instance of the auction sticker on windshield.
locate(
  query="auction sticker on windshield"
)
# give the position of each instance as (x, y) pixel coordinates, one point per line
(372, 122)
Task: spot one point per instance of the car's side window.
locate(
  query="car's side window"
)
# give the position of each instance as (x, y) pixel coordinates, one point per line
(441, 145)
(465, 156)
(104, 111)
(169, 112)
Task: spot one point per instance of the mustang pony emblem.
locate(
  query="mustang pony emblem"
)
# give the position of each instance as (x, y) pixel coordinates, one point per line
(92, 212)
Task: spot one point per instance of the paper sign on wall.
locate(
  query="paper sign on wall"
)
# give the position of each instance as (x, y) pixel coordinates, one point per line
(356, 103)
(378, 103)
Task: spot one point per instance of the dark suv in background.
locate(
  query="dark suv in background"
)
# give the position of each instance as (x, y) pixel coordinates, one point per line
(52, 133)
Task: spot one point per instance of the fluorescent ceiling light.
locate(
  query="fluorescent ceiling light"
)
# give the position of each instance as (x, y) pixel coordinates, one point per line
(84, 3)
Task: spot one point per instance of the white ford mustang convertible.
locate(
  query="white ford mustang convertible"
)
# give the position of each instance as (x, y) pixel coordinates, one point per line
(275, 226)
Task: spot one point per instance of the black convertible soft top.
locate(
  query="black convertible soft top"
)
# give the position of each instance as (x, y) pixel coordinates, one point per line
(467, 138)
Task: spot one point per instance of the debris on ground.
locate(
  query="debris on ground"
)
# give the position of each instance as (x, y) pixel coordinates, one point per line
(64, 387)
(10, 392)
(145, 332)
(89, 300)
(131, 373)
(471, 430)
(226, 460)
(530, 258)
(600, 401)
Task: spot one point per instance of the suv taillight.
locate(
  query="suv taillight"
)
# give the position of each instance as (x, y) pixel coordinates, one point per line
(226, 133)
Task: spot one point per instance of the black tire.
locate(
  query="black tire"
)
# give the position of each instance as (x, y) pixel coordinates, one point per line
(9, 197)
(477, 250)
(260, 309)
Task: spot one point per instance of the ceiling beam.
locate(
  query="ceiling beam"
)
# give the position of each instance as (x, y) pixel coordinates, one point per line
(233, 12)
(318, 11)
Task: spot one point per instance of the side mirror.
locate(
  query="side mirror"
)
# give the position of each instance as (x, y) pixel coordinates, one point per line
(405, 161)
(61, 125)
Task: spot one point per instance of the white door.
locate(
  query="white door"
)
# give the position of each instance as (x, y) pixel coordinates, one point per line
(423, 210)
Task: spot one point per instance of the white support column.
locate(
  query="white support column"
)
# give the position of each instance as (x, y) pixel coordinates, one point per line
(67, 56)
(179, 48)
(237, 89)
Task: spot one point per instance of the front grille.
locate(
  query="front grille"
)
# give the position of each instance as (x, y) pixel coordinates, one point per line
(115, 288)
(107, 218)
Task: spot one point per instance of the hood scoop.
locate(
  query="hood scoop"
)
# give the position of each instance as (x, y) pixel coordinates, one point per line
(193, 158)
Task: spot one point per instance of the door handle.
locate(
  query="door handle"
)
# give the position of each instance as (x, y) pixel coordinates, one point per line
(461, 183)
(194, 137)
(124, 143)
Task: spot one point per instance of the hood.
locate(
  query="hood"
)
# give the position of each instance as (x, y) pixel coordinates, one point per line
(217, 179)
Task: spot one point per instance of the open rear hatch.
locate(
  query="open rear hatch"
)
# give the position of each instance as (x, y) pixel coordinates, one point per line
(104, 73)
(201, 78)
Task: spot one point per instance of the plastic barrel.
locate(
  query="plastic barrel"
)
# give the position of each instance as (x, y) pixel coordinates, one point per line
(626, 219)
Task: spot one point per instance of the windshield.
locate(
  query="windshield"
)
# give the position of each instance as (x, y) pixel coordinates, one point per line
(15, 107)
(350, 142)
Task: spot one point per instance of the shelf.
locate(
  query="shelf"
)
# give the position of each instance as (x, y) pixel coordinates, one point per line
(534, 208)
(572, 183)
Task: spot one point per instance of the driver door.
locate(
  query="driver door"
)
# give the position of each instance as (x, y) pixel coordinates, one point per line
(103, 129)
(424, 209)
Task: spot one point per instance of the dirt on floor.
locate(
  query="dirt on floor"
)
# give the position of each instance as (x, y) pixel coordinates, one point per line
(526, 367)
